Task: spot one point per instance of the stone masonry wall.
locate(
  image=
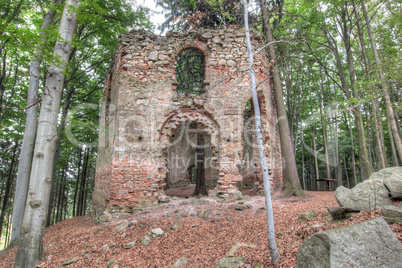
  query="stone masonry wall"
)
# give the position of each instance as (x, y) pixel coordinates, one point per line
(142, 112)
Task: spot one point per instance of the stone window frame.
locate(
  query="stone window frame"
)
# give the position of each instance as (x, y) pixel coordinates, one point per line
(193, 44)
(190, 69)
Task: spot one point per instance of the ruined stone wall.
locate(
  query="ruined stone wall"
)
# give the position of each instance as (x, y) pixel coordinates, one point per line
(142, 111)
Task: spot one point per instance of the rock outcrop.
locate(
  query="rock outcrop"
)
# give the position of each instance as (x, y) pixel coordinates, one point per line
(392, 214)
(374, 193)
(366, 244)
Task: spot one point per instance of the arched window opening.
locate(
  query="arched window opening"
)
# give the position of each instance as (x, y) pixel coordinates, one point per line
(190, 72)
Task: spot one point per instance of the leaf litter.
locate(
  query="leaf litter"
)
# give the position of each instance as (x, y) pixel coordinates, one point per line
(203, 233)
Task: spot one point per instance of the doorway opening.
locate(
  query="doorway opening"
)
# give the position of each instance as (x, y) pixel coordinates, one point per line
(191, 169)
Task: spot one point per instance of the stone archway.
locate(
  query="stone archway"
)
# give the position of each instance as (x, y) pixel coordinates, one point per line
(180, 137)
(200, 118)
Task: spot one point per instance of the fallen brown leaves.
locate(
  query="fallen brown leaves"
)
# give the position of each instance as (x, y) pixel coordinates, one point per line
(202, 240)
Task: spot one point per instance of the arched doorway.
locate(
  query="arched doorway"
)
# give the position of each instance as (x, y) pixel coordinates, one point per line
(190, 153)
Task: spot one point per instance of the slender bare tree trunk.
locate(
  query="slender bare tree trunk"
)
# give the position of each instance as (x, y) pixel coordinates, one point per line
(346, 171)
(28, 143)
(60, 135)
(361, 140)
(317, 173)
(352, 150)
(302, 149)
(32, 231)
(84, 175)
(267, 187)
(384, 85)
(290, 176)
(363, 154)
(8, 189)
(374, 104)
(75, 207)
(324, 132)
(393, 150)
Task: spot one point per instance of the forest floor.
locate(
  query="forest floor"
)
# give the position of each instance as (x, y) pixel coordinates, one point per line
(202, 230)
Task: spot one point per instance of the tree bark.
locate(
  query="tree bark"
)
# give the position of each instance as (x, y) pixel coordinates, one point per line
(352, 151)
(28, 143)
(82, 184)
(60, 134)
(290, 176)
(361, 140)
(384, 85)
(32, 231)
(363, 154)
(316, 172)
(393, 150)
(377, 120)
(8, 189)
(267, 187)
(75, 207)
(324, 131)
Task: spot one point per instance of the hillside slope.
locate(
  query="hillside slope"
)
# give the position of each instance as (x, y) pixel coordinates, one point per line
(201, 230)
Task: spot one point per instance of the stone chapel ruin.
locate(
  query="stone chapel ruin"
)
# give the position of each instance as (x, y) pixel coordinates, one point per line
(165, 94)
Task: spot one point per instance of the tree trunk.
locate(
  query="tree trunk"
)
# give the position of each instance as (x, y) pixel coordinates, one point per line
(361, 140)
(8, 231)
(60, 134)
(324, 132)
(377, 120)
(32, 231)
(317, 173)
(8, 189)
(393, 150)
(346, 171)
(267, 187)
(60, 187)
(28, 143)
(77, 183)
(384, 85)
(352, 151)
(290, 177)
(370, 146)
(302, 149)
(82, 184)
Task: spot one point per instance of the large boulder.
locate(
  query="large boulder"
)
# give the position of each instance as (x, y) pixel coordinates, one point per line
(392, 214)
(386, 173)
(394, 185)
(374, 193)
(368, 195)
(366, 244)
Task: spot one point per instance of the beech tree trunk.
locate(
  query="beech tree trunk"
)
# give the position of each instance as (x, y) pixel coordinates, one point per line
(81, 207)
(32, 231)
(361, 140)
(267, 187)
(8, 189)
(352, 150)
(76, 185)
(363, 154)
(393, 150)
(324, 131)
(384, 85)
(377, 120)
(290, 176)
(28, 143)
(316, 172)
(60, 134)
